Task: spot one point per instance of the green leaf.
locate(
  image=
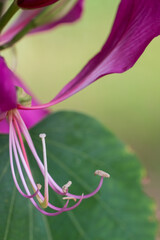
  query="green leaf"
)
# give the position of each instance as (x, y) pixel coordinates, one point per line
(77, 145)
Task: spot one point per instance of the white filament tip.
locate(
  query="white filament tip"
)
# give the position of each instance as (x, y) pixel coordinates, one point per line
(69, 198)
(102, 173)
(66, 186)
(42, 135)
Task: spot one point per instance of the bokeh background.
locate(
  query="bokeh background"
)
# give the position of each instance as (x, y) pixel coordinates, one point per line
(128, 104)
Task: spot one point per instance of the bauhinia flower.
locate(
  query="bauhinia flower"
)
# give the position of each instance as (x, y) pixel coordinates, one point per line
(137, 22)
(10, 94)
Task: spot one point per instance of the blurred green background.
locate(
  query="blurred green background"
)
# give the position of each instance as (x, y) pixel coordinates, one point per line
(128, 104)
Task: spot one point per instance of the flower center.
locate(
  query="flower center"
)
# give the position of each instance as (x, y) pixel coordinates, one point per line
(23, 98)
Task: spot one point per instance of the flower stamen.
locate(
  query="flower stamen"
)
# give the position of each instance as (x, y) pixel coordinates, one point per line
(102, 173)
(18, 129)
(69, 198)
(66, 186)
(44, 204)
(21, 142)
(12, 148)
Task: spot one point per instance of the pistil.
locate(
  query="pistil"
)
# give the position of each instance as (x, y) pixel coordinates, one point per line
(44, 204)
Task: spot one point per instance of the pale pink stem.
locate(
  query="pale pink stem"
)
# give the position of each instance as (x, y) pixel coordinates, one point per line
(56, 213)
(16, 147)
(19, 167)
(74, 206)
(21, 142)
(87, 195)
(12, 166)
(42, 106)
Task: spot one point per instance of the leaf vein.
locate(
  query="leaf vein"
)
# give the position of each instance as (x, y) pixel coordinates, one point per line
(9, 214)
(30, 221)
(48, 230)
(4, 171)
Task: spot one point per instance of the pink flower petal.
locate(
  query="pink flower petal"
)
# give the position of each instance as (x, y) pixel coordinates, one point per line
(8, 81)
(137, 22)
(7, 90)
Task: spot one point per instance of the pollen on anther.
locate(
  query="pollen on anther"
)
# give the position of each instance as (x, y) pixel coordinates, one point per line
(102, 173)
(39, 186)
(66, 186)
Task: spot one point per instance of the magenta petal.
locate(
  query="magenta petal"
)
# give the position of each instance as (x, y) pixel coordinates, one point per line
(4, 128)
(33, 4)
(7, 90)
(73, 15)
(7, 93)
(30, 117)
(137, 22)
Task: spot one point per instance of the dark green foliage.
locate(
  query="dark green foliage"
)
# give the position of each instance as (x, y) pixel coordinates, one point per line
(77, 145)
